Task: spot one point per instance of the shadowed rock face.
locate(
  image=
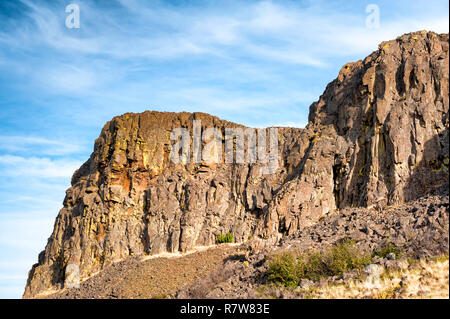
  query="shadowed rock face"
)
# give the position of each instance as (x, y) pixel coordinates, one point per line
(392, 111)
(378, 135)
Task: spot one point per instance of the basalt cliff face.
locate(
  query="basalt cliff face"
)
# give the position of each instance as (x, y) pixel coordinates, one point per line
(377, 136)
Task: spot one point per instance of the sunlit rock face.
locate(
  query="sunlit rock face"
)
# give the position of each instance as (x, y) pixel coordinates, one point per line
(377, 136)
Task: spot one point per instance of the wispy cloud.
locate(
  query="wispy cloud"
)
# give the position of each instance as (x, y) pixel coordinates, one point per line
(37, 145)
(259, 63)
(280, 31)
(20, 230)
(135, 53)
(22, 237)
(11, 165)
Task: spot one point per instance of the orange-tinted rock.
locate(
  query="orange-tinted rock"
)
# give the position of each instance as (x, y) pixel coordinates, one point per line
(378, 135)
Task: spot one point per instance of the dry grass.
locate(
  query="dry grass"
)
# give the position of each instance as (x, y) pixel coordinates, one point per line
(289, 267)
(425, 279)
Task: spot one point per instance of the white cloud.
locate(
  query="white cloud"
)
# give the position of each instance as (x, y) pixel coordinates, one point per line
(11, 165)
(22, 237)
(275, 31)
(71, 79)
(26, 233)
(112, 43)
(36, 144)
(11, 291)
(246, 61)
(300, 124)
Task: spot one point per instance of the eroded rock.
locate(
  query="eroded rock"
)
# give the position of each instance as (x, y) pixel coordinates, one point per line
(378, 136)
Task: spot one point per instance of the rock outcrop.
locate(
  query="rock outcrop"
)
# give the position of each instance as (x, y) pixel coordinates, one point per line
(377, 136)
(413, 232)
(417, 231)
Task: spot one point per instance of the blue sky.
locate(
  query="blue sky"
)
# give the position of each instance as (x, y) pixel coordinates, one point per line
(258, 63)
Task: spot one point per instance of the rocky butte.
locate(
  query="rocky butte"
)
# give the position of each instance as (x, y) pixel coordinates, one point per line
(378, 136)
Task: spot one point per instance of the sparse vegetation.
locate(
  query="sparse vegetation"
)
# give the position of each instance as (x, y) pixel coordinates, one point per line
(428, 278)
(286, 268)
(227, 238)
(441, 258)
(386, 249)
(289, 267)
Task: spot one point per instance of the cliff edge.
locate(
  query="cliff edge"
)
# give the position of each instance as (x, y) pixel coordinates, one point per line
(378, 135)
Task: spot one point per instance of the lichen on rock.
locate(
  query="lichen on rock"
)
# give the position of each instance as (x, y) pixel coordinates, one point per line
(377, 136)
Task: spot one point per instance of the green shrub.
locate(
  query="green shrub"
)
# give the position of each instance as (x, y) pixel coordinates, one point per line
(440, 258)
(346, 256)
(289, 267)
(386, 249)
(227, 238)
(286, 268)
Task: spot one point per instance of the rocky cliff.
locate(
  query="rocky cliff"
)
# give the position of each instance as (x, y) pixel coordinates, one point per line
(377, 136)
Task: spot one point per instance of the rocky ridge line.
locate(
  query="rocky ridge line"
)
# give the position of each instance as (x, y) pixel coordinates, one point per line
(377, 136)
